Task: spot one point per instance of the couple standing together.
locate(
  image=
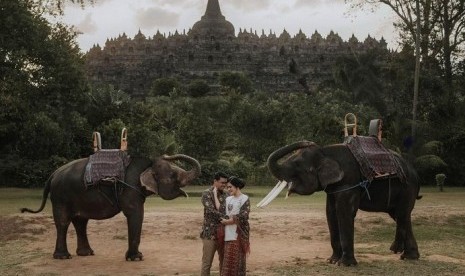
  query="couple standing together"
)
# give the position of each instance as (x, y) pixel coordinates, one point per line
(225, 226)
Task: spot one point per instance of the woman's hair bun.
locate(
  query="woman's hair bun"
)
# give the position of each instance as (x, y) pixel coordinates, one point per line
(236, 182)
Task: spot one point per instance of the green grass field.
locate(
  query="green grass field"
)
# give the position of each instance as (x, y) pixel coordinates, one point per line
(12, 199)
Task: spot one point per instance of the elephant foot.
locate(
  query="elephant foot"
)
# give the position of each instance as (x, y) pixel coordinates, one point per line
(85, 252)
(333, 259)
(62, 256)
(397, 247)
(347, 261)
(134, 256)
(412, 255)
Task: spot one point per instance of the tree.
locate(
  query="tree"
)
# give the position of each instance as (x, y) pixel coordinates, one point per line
(201, 126)
(107, 103)
(164, 86)
(360, 76)
(198, 88)
(54, 7)
(237, 81)
(442, 27)
(259, 126)
(42, 87)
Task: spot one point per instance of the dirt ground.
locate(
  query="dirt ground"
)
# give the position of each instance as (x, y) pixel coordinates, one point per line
(171, 244)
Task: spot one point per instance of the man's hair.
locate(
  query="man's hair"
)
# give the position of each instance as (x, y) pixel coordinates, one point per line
(219, 175)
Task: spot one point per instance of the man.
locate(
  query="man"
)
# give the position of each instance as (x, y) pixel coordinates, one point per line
(213, 199)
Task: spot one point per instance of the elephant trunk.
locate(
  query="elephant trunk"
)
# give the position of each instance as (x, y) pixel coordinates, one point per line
(191, 174)
(272, 162)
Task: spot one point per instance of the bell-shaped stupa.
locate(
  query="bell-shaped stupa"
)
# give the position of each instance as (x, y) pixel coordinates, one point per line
(213, 24)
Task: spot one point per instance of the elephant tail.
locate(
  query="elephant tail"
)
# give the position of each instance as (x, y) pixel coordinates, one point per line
(44, 198)
(418, 188)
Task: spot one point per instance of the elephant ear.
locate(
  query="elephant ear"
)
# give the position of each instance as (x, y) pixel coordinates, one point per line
(329, 172)
(148, 181)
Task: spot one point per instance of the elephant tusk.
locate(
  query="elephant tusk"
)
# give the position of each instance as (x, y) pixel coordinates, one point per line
(185, 194)
(289, 186)
(269, 194)
(274, 193)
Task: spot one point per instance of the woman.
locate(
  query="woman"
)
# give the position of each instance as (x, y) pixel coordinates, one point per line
(236, 230)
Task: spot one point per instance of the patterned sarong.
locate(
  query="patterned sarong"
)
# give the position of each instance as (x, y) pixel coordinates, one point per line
(374, 159)
(234, 260)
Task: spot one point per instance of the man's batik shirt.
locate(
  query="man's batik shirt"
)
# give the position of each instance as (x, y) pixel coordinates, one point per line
(211, 216)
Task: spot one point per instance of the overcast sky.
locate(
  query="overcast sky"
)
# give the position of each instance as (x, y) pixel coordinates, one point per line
(111, 18)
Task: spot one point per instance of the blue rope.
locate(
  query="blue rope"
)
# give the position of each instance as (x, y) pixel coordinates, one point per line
(135, 188)
(364, 184)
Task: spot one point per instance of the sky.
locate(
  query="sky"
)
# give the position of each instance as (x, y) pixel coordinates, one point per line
(111, 18)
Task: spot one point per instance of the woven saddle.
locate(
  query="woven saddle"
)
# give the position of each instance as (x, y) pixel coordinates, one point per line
(375, 160)
(107, 165)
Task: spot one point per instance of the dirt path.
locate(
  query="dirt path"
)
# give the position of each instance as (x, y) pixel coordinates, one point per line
(171, 245)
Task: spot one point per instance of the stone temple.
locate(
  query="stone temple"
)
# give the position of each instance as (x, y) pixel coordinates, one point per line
(273, 63)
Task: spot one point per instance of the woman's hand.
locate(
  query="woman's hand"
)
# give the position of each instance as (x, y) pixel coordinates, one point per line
(227, 221)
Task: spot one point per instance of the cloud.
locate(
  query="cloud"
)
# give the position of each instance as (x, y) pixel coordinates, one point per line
(152, 18)
(315, 4)
(87, 25)
(108, 18)
(248, 5)
(178, 3)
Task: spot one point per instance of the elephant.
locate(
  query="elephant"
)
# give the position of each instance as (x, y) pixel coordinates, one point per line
(309, 168)
(73, 202)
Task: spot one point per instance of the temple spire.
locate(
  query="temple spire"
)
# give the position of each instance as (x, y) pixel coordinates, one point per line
(213, 9)
(212, 25)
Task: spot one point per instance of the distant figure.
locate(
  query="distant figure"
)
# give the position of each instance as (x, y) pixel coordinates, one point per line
(213, 199)
(236, 232)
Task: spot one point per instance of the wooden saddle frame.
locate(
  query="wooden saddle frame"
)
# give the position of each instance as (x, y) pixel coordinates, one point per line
(97, 140)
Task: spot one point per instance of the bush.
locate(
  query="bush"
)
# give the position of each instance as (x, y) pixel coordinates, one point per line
(432, 147)
(198, 88)
(164, 86)
(428, 166)
(237, 81)
(440, 179)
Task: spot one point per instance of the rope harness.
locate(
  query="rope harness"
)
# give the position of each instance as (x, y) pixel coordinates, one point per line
(363, 184)
(118, 189)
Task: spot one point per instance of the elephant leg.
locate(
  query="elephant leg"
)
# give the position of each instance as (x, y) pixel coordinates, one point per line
(331, 217)
(347, 207)
(62, 221)
(83, 247)
(397, 245)
(410, 251)
(346, 235)
(134, 220)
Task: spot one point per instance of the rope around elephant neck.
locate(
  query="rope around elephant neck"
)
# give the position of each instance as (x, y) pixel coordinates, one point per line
(364, 184)
(135, 188)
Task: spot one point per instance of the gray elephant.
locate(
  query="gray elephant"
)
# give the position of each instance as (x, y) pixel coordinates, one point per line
(74, 202)
(309, 168)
